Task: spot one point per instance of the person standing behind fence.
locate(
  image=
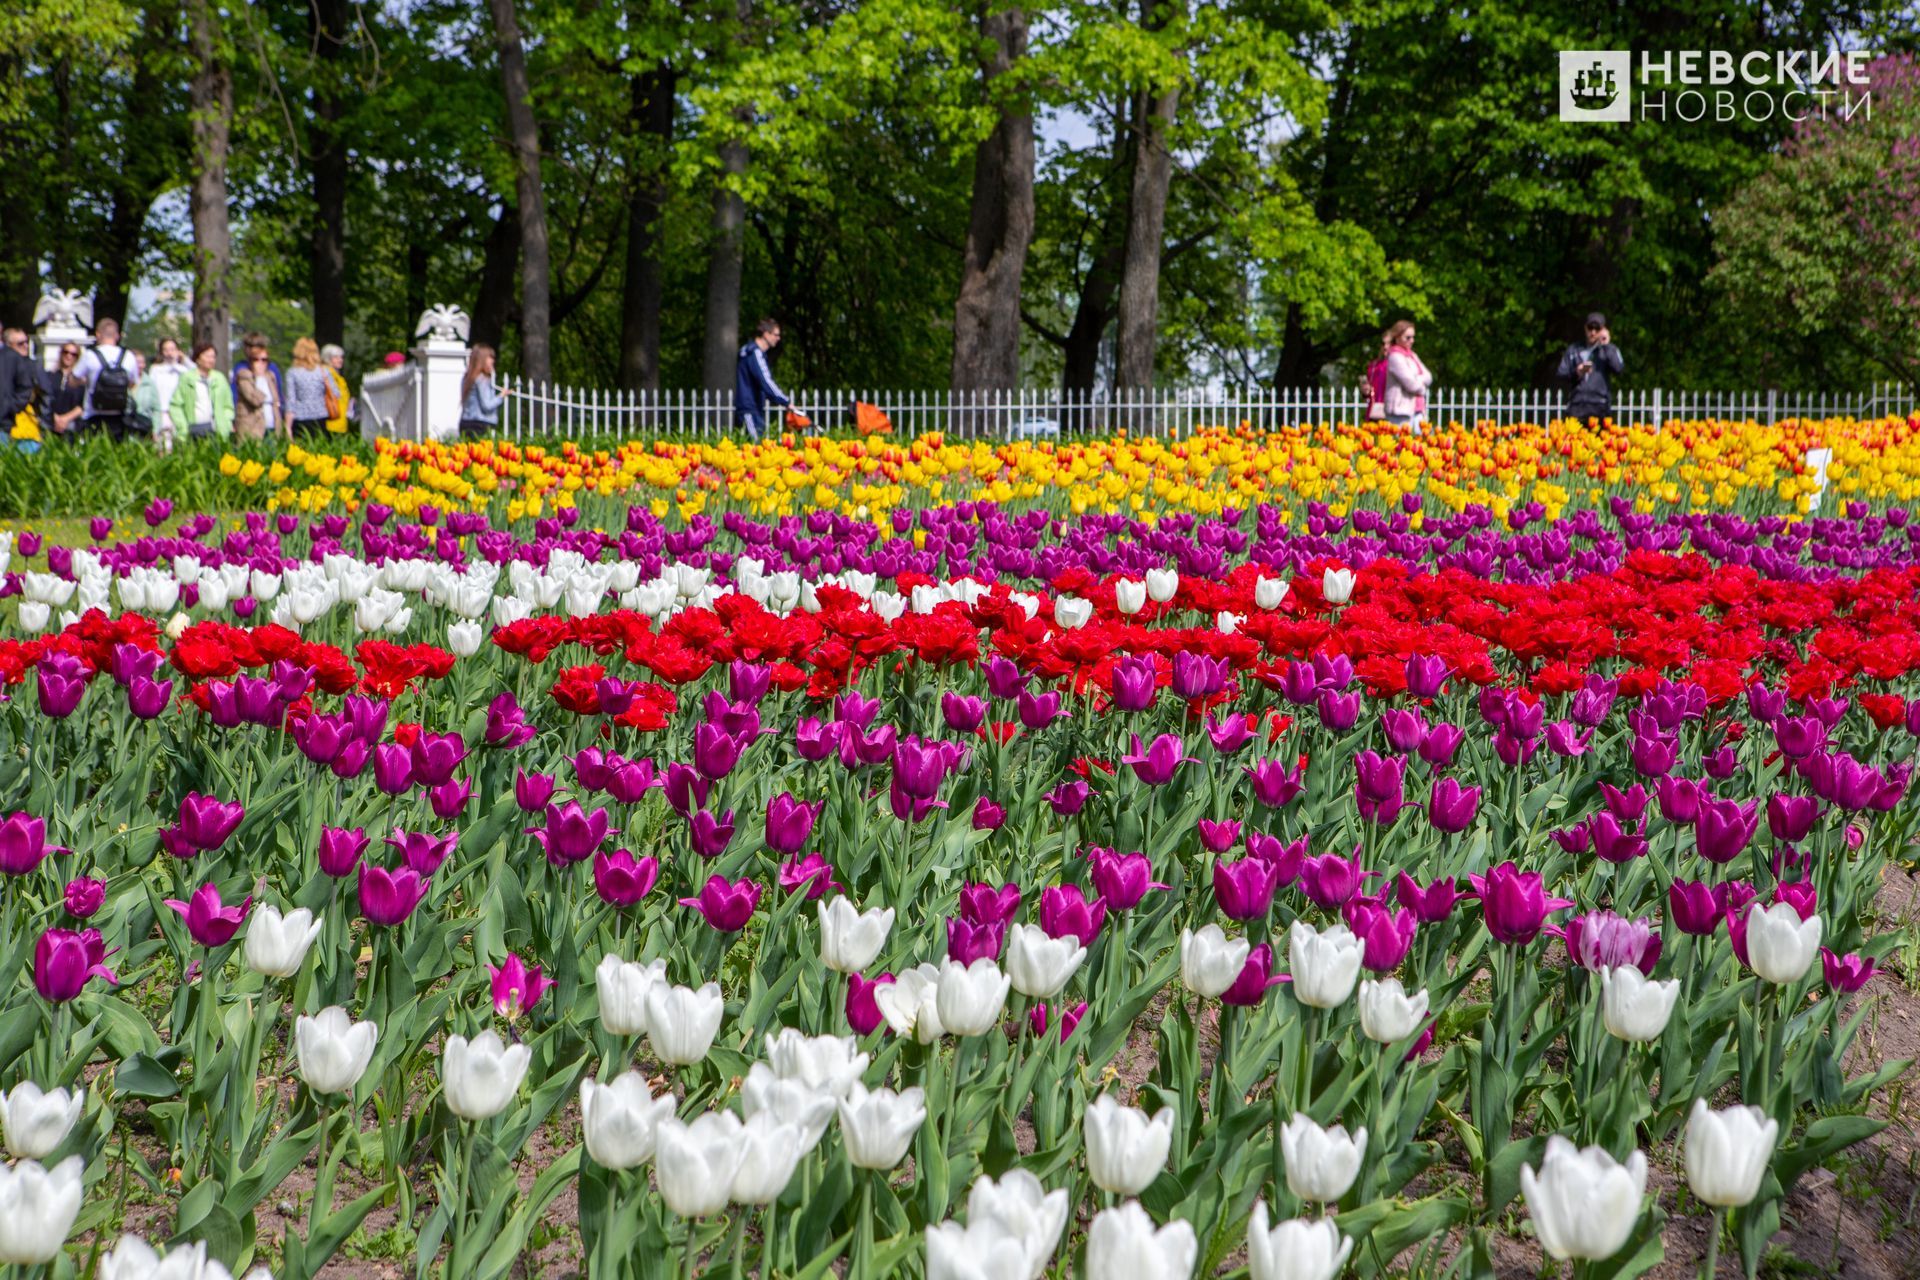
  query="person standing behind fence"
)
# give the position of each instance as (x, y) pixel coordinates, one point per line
(1589, 368)
(112, 372)
(479, 398)
(1404, 396)
(63, 394)
(310, 392)
(333, 363)
(753, 384)
(19, 376)
(203, 400)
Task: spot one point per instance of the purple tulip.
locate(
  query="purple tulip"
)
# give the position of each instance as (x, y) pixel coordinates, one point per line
(1069, 798)
(60, 694)
(23, 843)
(1804, 898)
(1069, 1020)
(210, 922)
(449, 799)
(205, 822)
(1627, 805)
(1451, 807)
(855, 708)
(147, 698)
(434, 758)
(715, 752)
(863, 1011)
(1846, 974)
(1218, 837)
(919, 768)
(392, 769)
(983, 904)
(1612, 842)
(1135, 683)
(1799, 737)
(423, 853)
(1443, 740)
(630, 780)
(969, 940)
(963, 714)
(1338, 712)
(1244, 889)
(340, 850)
(710, 833)
(1330, 881)
(1377, 786)
(621, 879)
(1791, 817)
(1724, 827)
(352, 760)
(725, 905)
(1386, 934)
(532, 791)
(814, 739)
(1429, 905)
(1038, 712)
(1653, 757)
(790, 823)
(1680, 798)
(1197, 676)
(1426, 677)
(517, 987)
(1601, 940)
(84, 896)
(1298, 684)
(1256, 978)
(1273, 785)
(1564, 738)
(1766, 705)
(811, 875)
(987, 816)
(685, 789)
(507, 724)
(1288, 860)
(1514, 903)
(65, 960)
(1122, 879)
(1067, 912)
(748, 681)
(1692, 907)
(1405, 728)
(1230, 735)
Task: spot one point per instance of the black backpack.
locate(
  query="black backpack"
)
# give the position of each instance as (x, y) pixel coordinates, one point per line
(111, 387)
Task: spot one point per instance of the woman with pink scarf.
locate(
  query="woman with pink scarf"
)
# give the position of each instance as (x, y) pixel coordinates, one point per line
(1407, 379)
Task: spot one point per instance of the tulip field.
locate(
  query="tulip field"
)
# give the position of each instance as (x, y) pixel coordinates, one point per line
(1242, 856)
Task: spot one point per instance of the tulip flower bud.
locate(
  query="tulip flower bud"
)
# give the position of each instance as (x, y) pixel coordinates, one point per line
(1129, 596)
(1122, 1242)
(1126, 1151)
(1584, 1203)
(622, 989)
(1634, 1007)
(1321, 1163)
(1297, 1249)
(40, 1205)
(1162, 584)
(1387, 1013)
(970, 998)
(694, 1164)
(333, 1050)
(1040, 966)
(1336, 585)
(877, 1126)
(850, 939)
(682, 1022)
(1210, 961)
(35, 1123)
(479, 1077)
(1727, 1153)
(1780, 945)
(622, 1119)
(277, 944)
(1325, 965)
(1268, 593)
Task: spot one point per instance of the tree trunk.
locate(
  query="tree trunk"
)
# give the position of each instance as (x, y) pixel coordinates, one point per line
(210, 98)
(493, 307)
(1300, 355)
(1146, 224)
(725, 261)
(640, 298)
(419, 259)
(328, 20)
(1094, 311)
(986, 322)
(536, 347)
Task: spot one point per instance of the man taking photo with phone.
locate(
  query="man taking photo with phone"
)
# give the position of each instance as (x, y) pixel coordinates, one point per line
(1589, 368)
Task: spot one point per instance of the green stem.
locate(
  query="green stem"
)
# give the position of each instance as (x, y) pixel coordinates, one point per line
(1712, 1266)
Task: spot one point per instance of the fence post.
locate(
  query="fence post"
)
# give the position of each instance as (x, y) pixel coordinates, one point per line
(442, 353)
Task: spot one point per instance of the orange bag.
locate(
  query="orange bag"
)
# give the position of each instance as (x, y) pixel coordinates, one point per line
(797, 421)
(870, 420)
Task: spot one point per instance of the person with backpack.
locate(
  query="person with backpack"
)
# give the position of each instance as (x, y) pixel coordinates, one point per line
(1397, 383)
(111, 374)
(1589, 368)
(753, 384)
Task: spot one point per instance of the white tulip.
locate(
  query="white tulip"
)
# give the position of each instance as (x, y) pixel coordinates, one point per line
(694, 1164)
(36, 1123)
(1337, 585)
(1387, 1013)
(877, 1126)
(1040, 966)
(1325, 964)
(794, 1102)
(1162, 584)
(1072, 612)
(276, 944)
(1130, 595)
(1210, 961)
(463, 638)
(682, 1022)
(850, 939)
(480, 1076)
(1321, 1163)
(37, 1209)
(772, 1151)
(828, 1063)
(34, 616)
(1780, 945)
(975, 1251)
(1297, 1249)
(508, 610)
(622, 988)
(1228, 623)
(1024, 1210)
(1269, 593)
(265, 585)
(214, 595)
(887, 605)
(1125, 1150)
(1584, 1202)
(1633, 1006)
(622, 1119)
(909, 1004)
(1123, 1245)
(1029, 603)
(332, 1049)
(971, 997)
(1727, 1153)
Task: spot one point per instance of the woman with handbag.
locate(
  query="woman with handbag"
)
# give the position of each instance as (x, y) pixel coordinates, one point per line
(1404, 401)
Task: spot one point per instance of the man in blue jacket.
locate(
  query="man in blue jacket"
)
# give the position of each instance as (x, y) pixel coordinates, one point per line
(753, 384)
(1589, 368)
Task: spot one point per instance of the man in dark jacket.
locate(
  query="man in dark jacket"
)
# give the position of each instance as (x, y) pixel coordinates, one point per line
(753, 384)
(19, 376)
(1588, 368)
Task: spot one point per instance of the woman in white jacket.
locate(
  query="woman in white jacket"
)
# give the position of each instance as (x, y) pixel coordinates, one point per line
(1407, 378)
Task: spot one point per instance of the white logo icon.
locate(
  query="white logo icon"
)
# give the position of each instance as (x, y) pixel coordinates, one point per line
(1596, 85)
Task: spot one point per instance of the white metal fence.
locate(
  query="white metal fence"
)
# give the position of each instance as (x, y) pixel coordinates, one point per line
(571, 411)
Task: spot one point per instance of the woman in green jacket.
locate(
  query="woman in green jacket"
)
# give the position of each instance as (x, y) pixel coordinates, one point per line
(203, 402)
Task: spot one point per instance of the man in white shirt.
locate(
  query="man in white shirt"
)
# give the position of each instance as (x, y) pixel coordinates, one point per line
(107, 353)
(165, 374)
